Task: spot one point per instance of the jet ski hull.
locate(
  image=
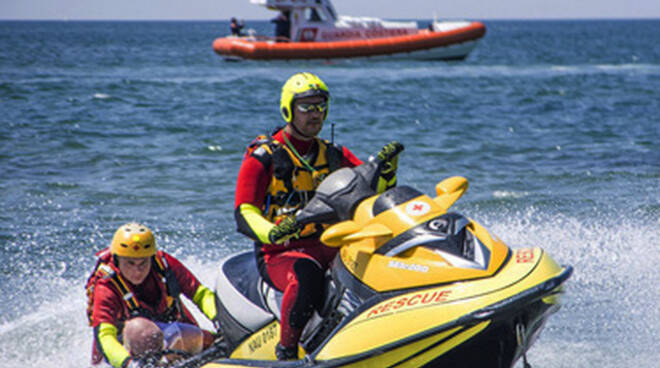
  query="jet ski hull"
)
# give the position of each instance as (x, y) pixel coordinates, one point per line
(481, 323)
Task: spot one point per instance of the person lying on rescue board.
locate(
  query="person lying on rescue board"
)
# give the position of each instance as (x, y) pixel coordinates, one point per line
(278, 176)
(134, 303)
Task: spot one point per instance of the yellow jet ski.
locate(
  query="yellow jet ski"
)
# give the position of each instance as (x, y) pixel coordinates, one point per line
(414, 285)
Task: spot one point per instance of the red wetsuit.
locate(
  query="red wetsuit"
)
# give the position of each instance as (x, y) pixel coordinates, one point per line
(296, 268)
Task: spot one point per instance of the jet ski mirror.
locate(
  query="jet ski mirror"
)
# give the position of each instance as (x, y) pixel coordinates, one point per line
(335, 234)
(450, 190)
(349, 231)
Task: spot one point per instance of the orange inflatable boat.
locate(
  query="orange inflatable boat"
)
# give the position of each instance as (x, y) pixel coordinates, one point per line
(454, 44)
(310, 29)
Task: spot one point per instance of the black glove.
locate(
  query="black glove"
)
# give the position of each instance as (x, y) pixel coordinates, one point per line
(285, 230)
(390, 151)
(388, 161)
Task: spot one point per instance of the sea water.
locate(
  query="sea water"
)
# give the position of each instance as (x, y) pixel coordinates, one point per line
(556, 125)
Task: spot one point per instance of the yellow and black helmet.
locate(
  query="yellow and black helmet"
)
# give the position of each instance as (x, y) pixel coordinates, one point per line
(298, 86)
(133, 240)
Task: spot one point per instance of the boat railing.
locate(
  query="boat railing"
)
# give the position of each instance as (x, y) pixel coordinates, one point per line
(251, 35)
(261, 38)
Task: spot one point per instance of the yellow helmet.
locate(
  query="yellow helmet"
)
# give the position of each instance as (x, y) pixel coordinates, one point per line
(298, 86)
(133, 240)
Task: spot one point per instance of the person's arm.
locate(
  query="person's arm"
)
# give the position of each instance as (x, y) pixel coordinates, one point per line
(106, 307)
(204, 299)
(389, 162)
(251, 222)
(251, 186)
(112, 349)
(349, 159)
(191, 287)
(387, 178)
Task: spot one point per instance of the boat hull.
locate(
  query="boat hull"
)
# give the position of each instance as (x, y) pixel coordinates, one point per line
(453, 44)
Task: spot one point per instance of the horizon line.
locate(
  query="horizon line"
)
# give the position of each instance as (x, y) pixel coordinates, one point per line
(268, 19)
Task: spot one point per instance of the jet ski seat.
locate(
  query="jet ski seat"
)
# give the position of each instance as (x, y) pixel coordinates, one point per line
(245, 301)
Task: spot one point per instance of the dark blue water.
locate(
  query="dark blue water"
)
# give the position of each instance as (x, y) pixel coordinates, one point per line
(555, 124)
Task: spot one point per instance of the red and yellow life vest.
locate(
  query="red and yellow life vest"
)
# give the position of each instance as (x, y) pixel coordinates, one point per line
(106, 270)
(293, 184)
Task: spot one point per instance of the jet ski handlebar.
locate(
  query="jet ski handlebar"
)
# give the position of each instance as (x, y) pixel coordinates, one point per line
(339, 194)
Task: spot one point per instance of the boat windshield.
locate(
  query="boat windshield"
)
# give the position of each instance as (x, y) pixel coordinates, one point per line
(331, 11)
(312, 15)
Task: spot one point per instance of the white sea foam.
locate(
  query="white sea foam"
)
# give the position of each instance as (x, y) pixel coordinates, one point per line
(610, 313)
(509, 194)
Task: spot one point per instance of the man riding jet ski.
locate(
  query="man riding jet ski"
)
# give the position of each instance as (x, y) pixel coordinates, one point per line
(413, 285)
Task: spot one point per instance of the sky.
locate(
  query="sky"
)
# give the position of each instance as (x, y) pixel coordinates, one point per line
(387, 9)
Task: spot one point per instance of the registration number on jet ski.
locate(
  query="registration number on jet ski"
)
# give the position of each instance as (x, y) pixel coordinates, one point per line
(263, 338)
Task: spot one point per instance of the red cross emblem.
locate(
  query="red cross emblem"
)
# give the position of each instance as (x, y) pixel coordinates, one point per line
(417, 208)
